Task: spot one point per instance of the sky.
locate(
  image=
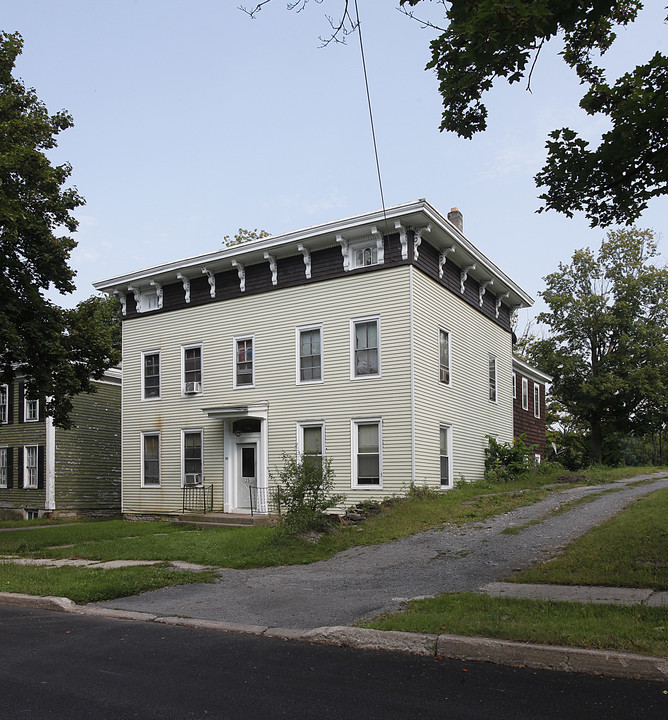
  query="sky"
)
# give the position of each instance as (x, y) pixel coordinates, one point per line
(193, 120)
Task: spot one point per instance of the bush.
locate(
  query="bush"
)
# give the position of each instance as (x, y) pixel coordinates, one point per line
(505, 462)
(305, 485)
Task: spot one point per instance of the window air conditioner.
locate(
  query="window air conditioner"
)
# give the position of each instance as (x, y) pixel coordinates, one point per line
(192, 479)
(193, 387)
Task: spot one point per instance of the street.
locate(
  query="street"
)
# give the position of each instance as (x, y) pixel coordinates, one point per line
(57, 665)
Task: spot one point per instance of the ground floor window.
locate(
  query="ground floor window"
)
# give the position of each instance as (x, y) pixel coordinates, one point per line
(446, 455)
(367, 452)
(151, 459)
(192, 457)
(30, 465)
(3, 467)
(311, 438)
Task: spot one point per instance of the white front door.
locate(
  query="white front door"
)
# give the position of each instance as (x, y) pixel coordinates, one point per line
(247, 475)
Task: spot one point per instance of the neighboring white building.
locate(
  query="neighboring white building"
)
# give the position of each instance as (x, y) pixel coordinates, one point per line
(382, 341)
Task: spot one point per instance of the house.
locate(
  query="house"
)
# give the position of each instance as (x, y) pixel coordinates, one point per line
(529, 388)
(45, 470)
(382, 341)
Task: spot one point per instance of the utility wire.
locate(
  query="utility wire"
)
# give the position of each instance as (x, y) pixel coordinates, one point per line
(368, 98)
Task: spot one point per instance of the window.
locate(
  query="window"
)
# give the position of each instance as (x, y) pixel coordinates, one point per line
(150, 459)
(367, 454)
(30, 459)
(525, 394)
(446, 455)
(192, 370)
(365, 343)
(4, 404)
(311, 438)
(536, 459)
(365, 256)
(514, 385)
(151, 370)
(492, 378)
(444, 356)
(309, 354)
(3, 467)
(244, 362)
(536, 400)
(31, 410)
(192, 457)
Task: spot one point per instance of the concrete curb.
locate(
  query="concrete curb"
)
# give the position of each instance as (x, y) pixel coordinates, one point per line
(457, 647)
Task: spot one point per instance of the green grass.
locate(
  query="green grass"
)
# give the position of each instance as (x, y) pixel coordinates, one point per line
(629, 550)
(636, 629)
(83, 585)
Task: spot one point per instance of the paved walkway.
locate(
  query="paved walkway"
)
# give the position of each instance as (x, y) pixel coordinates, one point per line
(365, 581)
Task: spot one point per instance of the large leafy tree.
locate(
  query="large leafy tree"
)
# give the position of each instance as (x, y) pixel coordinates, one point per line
(57, 350)
(482, 41)
(607, 342)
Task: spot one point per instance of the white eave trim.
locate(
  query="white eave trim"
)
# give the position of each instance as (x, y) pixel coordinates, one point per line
(522, 367)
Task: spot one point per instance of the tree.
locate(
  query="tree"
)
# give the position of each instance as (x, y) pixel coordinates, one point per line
(57, 350)
(487, 40)
(607, 344)
(243, 236)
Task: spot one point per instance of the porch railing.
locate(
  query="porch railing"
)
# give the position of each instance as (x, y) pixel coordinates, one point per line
(264, 499)
(197, 498)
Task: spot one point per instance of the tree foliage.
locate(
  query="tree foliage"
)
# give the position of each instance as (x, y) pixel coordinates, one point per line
(483, 41)
(244, 236)
(607, 347)
(57, 350)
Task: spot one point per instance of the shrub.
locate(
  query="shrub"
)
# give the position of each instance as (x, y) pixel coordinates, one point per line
(505, 462)
(305, 485)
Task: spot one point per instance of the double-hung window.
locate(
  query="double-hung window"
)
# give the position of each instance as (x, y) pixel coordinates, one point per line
(444, 356)
(4, 404)
(536, 400)
(151, 375)
(192, 457)
(150, 459)
(30, 466)
(367, 453)
(309, 354)
(244, 362)
(192, 369)
(31, 410)
(525, 394)
(3, 467)
(365, 346)
(446, 455)
(492, 378)
(311, 438)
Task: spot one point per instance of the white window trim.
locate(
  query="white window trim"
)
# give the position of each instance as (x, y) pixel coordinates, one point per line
(4, 450)
(496, 378)
(448, 428)
(298, 330)
(151, 433)
(353, 322)
(354, 444)
(525, 393)
(183, 369)
(300, 434)
(449, 334)
(143, 369)
(26, 401)
(235, 340)
(5, 405)
(514, 385)
(191, 431)
(373, 244)
(26, 485)
(536, 400)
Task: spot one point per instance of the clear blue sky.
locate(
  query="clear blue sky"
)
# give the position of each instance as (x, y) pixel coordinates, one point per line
(192, 120)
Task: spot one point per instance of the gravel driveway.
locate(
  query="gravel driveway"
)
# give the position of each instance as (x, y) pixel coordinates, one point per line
(365, 581)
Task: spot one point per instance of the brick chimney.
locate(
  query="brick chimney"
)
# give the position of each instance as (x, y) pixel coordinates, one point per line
(457, 219)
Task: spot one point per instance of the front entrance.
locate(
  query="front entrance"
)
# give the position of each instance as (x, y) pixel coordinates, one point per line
(246, 476)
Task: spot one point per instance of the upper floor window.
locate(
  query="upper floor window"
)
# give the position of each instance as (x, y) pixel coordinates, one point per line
(525, 394)
(192, 457)
(492, 378)
(365, 256)
(444, 356)
(367, 452)
(30, 465)
(151, 370)
(244, 362)
(192, 369)
(536, 400)
(3, 467)
(4, 404)
(311, 439)
(446, 455)
(365, 343)
(150, 459)
(309, 354)
(31, 410)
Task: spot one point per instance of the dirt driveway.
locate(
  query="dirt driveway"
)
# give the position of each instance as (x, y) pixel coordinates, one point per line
(366, 581)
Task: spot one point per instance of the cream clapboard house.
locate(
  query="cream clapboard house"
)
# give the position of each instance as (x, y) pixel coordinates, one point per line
(382, 341)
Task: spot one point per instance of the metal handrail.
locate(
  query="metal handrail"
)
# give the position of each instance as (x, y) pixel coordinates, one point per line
(197, 498)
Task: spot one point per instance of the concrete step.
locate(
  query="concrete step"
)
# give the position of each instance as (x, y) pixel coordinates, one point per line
(215, 519)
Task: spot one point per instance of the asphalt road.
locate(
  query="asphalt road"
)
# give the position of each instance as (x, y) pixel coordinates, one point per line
(366, 581)
(54, 665)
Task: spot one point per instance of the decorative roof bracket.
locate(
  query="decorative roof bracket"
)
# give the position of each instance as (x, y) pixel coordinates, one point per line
(241, 272)
(273, 267)
(483, 289)
(123, 300)
(497, 304)
(137, 293)
(418, 240)
(380, 245)
(463, 276)
(345, 251)
(403, 238)
(212, 281)
(443, 258)
(307, 259)
(186, 285)
(158, 291)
